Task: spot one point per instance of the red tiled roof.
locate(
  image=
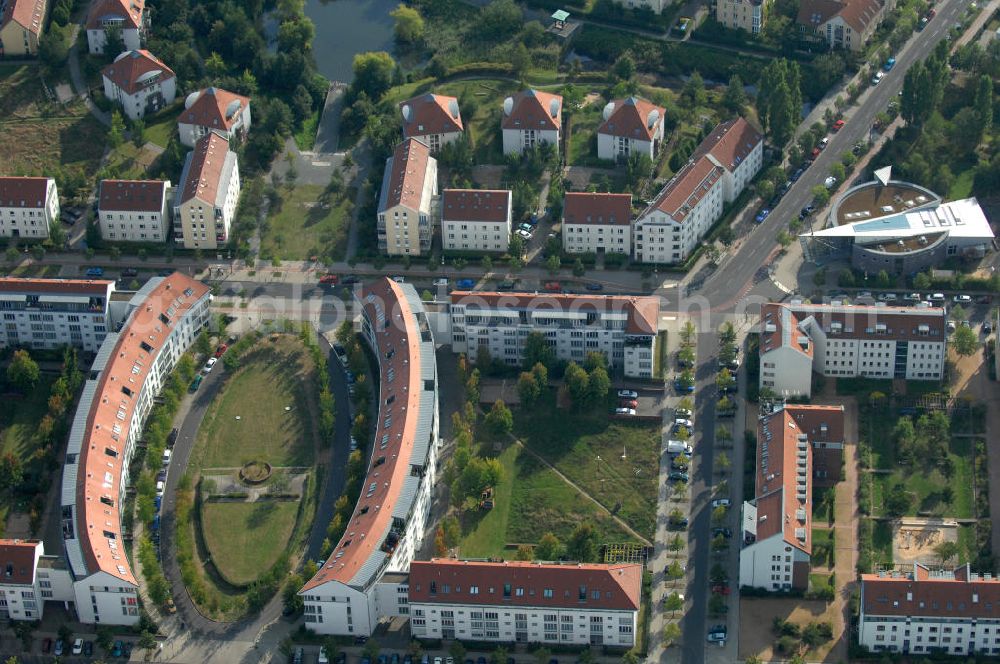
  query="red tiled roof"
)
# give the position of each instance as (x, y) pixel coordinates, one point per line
(863, 321)
(129, 11)
(430, 114)
(29, 14)
(131, 70)
(785, 330)
(208, 161)
(679, 196)
(604, 209)
(633, 118)
(99, 475)
(363, 535)
(409, 169)
(132, 195)
(532, 109)
(643, 312)
(23, 192)
(210, 109)
(57, 286)
(618, 585)
(730, 143)
(811, 419)
(778, 475)
(486, 205)
(858, 14)
(959, 594)
(17, 561)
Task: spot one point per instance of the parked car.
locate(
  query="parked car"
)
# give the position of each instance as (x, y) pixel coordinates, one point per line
(679, 465)
(629, 403)
(322, 658)
(913, 297)
(95, 272)
(721, 502)
(678, 476)
(717, 634)
(889, 64)
(721, 589)
(171, 437)
(838, 125)
(725, 532)
(682, 412)
(553, 286)
(987, 327)
(594, 286)
(60, 648)
(465, 284)
(350, 279)
(887, 297)
(681, 387)
(962, 299)
(762, 215)
(628, 394)
(46, 645)
(171, 607)
(683, 422)
(329, 279)
(166, 456)
(130, 272)
(78, 647)
(159, 488)
(797, 174)
(506, 285)
(823, 142)
(829, 182)
(118, 649)
(624, 411)
(88, 648)
(220, 351)
(936, 297)
(209, 365)
(127, 649)
(195, 384)
(877, 78)
(678, 523)
(806, 211)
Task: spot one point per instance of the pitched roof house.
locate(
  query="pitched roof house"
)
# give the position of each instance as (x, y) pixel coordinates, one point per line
(213, 109)
(21, 26)
(128, 16)
(140, 83)
(531, 117)
(842, 23)
(434, 119)
(630, 125)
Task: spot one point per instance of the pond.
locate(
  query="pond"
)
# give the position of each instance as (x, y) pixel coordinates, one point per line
(345, 28)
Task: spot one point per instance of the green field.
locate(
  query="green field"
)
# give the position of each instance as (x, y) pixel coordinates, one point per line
(532, 500)
(304, 226)
(588, 449)
(274, 376)
(246, 539)
(162, 127)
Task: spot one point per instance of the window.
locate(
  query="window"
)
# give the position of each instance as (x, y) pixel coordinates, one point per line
(473, 590)
(547, 592)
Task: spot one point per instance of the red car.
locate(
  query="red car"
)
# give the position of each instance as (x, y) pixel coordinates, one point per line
(815, 153)
(46, 646)
(720, 589)
(838, 125)
(931, 13)
(629, 403)
(329, 279)
(220, 350)
(553, 286)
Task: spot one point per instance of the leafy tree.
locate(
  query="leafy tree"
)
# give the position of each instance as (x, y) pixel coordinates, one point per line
(735, 98)
(821, 195)
(116, 135)
(527, 388)
(499, 20)
(724, 380)
(598, 384)
(583, 543)
(452, 530)
(687, 332)
(577, 382)
(553, 263)
(147, 641)
(946, 551)
(409, 28)
(898, 501)
(53, 47)
(671, 632)
(779, 99)
(548, 548)
(624, 68)
(638, 167)
(22, 371)
(964, 341)
(673, 602)
(905, 438)
(674, 570)
(373, 73)
(694, 91)
(499, 419)
(983, 103)
(524, 552)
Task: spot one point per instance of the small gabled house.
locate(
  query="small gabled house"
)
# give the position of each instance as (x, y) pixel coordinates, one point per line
(845, 24)
(140, 83)
(531, 118)
(127, 16)
(630, 126)
(434, 119)
(213, 109)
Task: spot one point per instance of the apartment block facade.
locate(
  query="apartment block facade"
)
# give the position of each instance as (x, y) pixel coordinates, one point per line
(631, 126)
(134, 210)
(49, 313)
(849, 341)
(530, 118)
(28, 207)
(29, 579)
(476, 219)
(140, 83)
(623, 328)
(922, 611)
(164, 318)
(21, 25)
(128, 17)
(408, 200)
(597, 223)
(746, 15)
(363, 580)
(525, 602)
(207, 194)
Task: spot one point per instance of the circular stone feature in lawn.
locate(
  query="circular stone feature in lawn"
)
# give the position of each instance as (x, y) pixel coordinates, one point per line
(255, 472)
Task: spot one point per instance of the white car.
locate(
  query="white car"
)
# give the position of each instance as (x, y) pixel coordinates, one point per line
(441, 282)
(829, 182)
(877, 78)
(913, 297)
(624, 411)
(964, 299)
(936, 297)
(323, 659)
(78, 647)
(687, 424)
(159, 488)
(721, 502)
(682, 412)
(864, 293)
(209, 365)
(166, 456)
(887, 297)
(628, 394)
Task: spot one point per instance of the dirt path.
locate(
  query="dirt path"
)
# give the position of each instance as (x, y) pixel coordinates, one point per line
(627, 528)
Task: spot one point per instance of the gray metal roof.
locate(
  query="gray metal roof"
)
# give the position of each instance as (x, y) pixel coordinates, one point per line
(408, 494)
(422, 434)
(375, 561)
(104, 352)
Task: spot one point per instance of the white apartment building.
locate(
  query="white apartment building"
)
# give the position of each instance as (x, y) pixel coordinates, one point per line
(133, 210)
(687, 206)
(525, 602)
(358, 586)
(476, 219)
(776, 526)
(622, 327)
(28, 207)
(406, 205)
(655, 6)
(140, 83)
(630, 126)
(597, 223)
(208, 193)
(49, 313)
(531, 117)
(434, 119)
(213, 109)
(128, 16)
(840, 340)
(748, 15)
(165, 317)
(919, 611)
(29, 578)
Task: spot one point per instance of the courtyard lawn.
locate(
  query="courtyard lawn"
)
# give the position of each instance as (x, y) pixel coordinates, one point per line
(882, 541)
(161, 128)
(583, 139)
(589, 449)
(245, 539)
(823, 547)
(304, 225)
(38, 135)
(272, 377)
(532, 500)
(482, 107)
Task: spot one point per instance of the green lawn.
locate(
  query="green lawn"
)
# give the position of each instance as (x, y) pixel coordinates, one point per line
(246, 539)
(583, 140)
(531, 501)
(588, 449)
(305, 137)
(304, 225)
(482, 105)
(823, 555)
(882, 541)
(274, 376)
(34, 270)
(161, 128)
(962, 186)
(823, 499)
